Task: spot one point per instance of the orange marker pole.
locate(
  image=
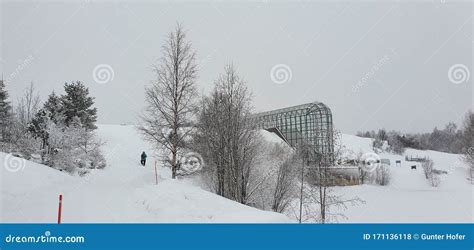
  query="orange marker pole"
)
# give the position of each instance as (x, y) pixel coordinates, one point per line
(60, 208)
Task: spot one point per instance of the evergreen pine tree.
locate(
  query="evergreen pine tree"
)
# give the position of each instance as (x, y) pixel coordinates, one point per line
(51, 111)
(5, 113)
(53, 106)
(77, 103)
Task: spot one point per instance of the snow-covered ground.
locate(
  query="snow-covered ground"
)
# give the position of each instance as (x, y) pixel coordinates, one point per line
(126, 192)
(409, 197)
(123, 192)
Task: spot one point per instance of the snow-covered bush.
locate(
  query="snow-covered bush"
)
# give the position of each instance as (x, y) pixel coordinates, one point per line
(61, 141)
(20, 141)
(73, 147)
(97, 160)
(62, 160)
(27, 145)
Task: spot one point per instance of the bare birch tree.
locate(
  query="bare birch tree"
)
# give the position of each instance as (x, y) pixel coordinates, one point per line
(226, 137)
(27, 106)
(170, 99)
(25, 109)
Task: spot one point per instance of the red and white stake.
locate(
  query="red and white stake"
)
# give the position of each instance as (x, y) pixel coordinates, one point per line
(60, 208)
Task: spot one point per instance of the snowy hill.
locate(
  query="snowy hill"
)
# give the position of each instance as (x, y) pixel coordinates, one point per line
(409, 197)
(126, 192)
(123, 192)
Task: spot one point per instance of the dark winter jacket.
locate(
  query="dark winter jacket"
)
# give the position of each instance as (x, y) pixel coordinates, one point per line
(144, 156)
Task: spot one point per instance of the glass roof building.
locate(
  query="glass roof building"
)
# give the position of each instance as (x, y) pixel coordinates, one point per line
(310, 123)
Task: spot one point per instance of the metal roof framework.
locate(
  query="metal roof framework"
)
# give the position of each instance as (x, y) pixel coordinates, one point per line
(310, 123)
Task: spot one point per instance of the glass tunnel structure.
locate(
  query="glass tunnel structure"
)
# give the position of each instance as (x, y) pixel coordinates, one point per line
(310, 123)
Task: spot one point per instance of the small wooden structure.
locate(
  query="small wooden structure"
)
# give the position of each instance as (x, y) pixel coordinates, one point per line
(398, 163)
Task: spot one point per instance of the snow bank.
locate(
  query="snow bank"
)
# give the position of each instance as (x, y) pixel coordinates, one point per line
(123, 192)
(168, 201)
(29, 192)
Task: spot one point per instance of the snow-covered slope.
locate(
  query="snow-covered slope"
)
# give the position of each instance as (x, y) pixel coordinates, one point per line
(126, 192)
(409, 197)
(123, 192)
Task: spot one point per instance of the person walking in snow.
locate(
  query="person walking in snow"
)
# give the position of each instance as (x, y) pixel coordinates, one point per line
(143, 158)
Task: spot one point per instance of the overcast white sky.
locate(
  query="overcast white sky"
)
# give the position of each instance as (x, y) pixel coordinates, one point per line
(374, 64)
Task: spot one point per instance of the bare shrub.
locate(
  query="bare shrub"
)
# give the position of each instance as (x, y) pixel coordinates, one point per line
(285, 184)
(383, 175)
(431, 174)
(428, 168)
(435, 180)
(364, 175)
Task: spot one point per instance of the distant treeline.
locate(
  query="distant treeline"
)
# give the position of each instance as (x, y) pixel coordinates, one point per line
(450, 139)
